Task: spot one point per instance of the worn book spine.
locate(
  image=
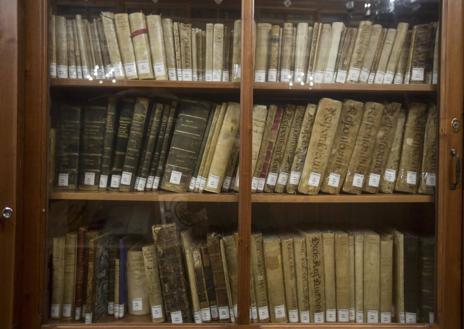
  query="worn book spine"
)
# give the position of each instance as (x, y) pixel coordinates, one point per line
(72, 70)
(275, 279)
(290, 278)
(317, 28)
(195, 47)
(80, 273)
(361, 157)
(209, 281)
(411, 153)
(400, 38)
(97, 46)
(149, 144)
(52, 46)
(279, 148)
(371, 277)
(200, 283)
(403, 60)
(386, 278)
(230, 248)
(429, 156)
(168, 36)
(125, 45)
(150, 261)
(302, 278)
(113, 45)
(389, 175)
(328, 247)
(232, 167)
(157, 48)
(91, 148)
(236, 51)
(258, 271)
(58, 273)
(378, 53)
(292, 63)
(262, 51)
(411, 275)
(137, 285)
(290, 147)
(172, 273)
(273, 53)
(383, 144)
(345, 137)
(140, 40)
(134, 144)
(89, 286)
(104, 48)
(68, 144)
(82, 37)
(322, 137)
(314, 248)
(61, 47)
(286, 53)
(185, 37)
(218, 52)
(301, 148)
(163, 151)
(336, 32)
(77, 51)
(375, 41)
(435, 60)
(177, 49)
(187, 245)
(408, 66)
(112, 255)
(92, 49)
(423, 43)
(398, 274)
(103, 243)
(209, 52)
(346, 39)
(342, 277)
(360, 46)
(352, 277)
(227, 137)
(151, 183)
(116, 288)
(301, 52)
(322, 53)
(427, 279)
(385, 55)
(359, 276)
(225, 267)
(70, 255)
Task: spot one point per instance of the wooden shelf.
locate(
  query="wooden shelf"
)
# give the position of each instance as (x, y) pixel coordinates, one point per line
(233, 197)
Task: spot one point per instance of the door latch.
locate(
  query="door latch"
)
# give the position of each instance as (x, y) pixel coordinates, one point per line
(455, 169)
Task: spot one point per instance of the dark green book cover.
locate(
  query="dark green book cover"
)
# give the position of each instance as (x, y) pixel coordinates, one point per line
(151, 183)
(108, 142)
(166, 143)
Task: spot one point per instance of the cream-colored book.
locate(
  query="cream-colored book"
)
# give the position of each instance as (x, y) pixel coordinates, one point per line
(389, 175)
(258, 271)
(157, 49)
(401, 33)
(237, 51)
(352, 277)
(230, 246)
(301, 52)
(378, 53)
(365, 142)
(52, 46)
(359, 276)
(72, 70)
(329, 73)
(328, 247)
(322, 53)
(275, 279)
(58, 261)
(61, 47)
(274, 46)
(374, 40)
(289, 269)
(84, 51)
(313, 49)
(225, 267)
(168, 36)
(408, 67)
(262, 51)
(195, 46)
(386, 278)
(140, 39)
(286, 52)
(227, 55)
(177, 49)
(360, 47)
(209, 52)
(185, 35)
(104, 48)
(97, 46)
(113, 44)
(223, 149)
(292, 56)
(436, 50)
(137, 286)
(218, 51)
(385, 55)
(302, 277)
(320, 144)
(371, 277)
(92, 51)
(125, 45)
(70, 258)
(403, 60)
(279, 54)
(155, 297)
(77, 51)
(429, 155)
(345, 139)
(316, 277)
(342, 276)
(345, 56)
(187, 246)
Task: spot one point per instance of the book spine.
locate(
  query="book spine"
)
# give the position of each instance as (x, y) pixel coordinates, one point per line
(290, 279)
(177, 50)
(316, 276)
(262, 51)
(302, 278)
(360, 46)
(218, 51)
(52, 46)
(195, 46)
(236, 51)
(401, 33)
(359, 276)
(97, 49)
(200, 283)
(371, 278)
(328, 247)
(163, 153)
(313, 52)
(157, 48)
(61, 47)
(301, 52)
(274, 46)
(322, 53)
(185, 37)
(337, 30)
(72, 70)
(259, 277)
(137, 292)
(402, 62)
(121, 22)
(69, 275)
(58, 261)
(168, 36)
(187, 250)
(80, 270)
(104, 48)
(375, 41)
(342, 277)
(386, 278)
(429, 157)
(151, 183)
(209, 281)
(152, 278)
(286, 53)
(140, 40)
(77, 51)
(385, 55)
(421, 50)
(81, 36)
(411, 275)
(196, 170)
(113, 45)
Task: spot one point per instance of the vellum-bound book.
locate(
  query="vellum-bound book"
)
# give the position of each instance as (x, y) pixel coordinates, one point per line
(403, 60)
(61, 47)
(422, 47)
(104, 47)
(411, 154)
(82, 36)
(302, 277)
(125, 45)
(361, 157)
(342, 277)
(52, 46)
(258, 271)
(322, 137)
(58, 262)
(315, 254)
(155, 297)
(313, 47)
(322, 53)
(408, 66)
(328, 247)
(359, 276)
(262, 51)
(230, 248)
(385, 55)
(360, 46)
(378, 53)
(301, 148)
(218, 51)
(329, 73)
(386, 278)
(400, 38)
(209, 52)
(289, 269)
(70, 255)
(113, 44)
(77, 51)
(286, 52)
(429, 156)
(345, 50)
(177, 49)
(185, 37)
(368, 61)
(168, 36)
(236, 51)
(97, 48)
(389, 175)
(274, 47)
(187, 245)
(301, 52)
(383, 143)
(158, 53)
(137, 285)
(371, 277)
(345, 139)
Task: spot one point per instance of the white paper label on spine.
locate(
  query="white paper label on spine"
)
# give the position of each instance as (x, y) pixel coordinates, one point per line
(143, 67)
(293, 316)
(328, 76)
(79, 72)
(341, 76)
(179, 74)
(411, 177)
(205, 314)
(343, 315)
(374, 180)
(159, 69)
(227, 182)
(176, 317)
(187, 74)
(279, 312)
(261, 183)
(130, 69)
(115, 181)
(353, 74)
(385, 317)
(304, 317)
(411, 317)
(156, 312)
(417, 74)
(371, 78)
(272, 75)
(225, 76)
(334, 180)
(299, 76)
(103, 181)
(285, 75)
(430, 179)
(223, 313)
(150, 181)
(434, 81)
(214, 312)
(364, 75)
(359, 316)
(260, 76)
(63, 179)
(254, 313)
(314, 179)
(372, 316)
(72, 72)
(137, 304)
(193, 181)
(126, 178)
(319, 317)
(254, 183)
(140, 184)
(331, 315)
(197, 317)
(431, 317)
(172, 74)
(201, 183)
(217, 75)
(213, 181)
(379, 77)
(390, 175)
(388, 77)
(111, 308)
(88, 318)
(398, 80)
(263, 312)
(52, 70)
(358, 180)
(209, 75)
(283, 178)
(402, 317)
(295, 177)
(175, 177)
(352, 314)
(67, 310)
(237, 70)
(156, 183)
(77, 314)
(319, 77)
(55, 311)
(271, 179)
(62, 71)
(122, 310)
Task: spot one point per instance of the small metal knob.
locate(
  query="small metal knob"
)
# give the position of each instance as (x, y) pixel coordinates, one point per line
(7, 213)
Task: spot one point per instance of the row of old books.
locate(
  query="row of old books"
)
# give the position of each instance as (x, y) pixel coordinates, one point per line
(335, 53)
(310, 277)
(135, 46)
(145, 145)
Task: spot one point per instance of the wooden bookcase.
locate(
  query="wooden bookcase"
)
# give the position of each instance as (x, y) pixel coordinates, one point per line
(36, 194)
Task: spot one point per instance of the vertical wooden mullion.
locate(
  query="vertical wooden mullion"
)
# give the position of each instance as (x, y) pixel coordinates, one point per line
(246, 125)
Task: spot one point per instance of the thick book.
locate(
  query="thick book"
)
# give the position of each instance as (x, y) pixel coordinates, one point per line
(172, 273)
(384, 56)
(262, 51)
(126, 47)
(209, 52)
(200, 283)
(302, 277)
(301, 52)
(343, 145)
(378, 53)
(383, 144)
(301, 148)
(389, 175)
(371, 277)
(97, 50)
(162, 152)
(359, 49)
(429, 155)
(108, 143)
(386, 278)
(84, 46)
(186, 141)
(403, 60)
(218, 51)
(328, 249)
(342, 276)
(61, 47)
(258, 272)
(141, 42)
(187, 245)
(423, 43)
(375, 41)
(322, 137)
(322, 53)
(77, 51)
(411, 283)
(157, 49)
(362, 153)
(185, 37)
(290, 278)
(137, 286)
(352, 277)
(408, 65)
(225, 267)
(209, 282)
(393, 60)
(411, 153)
(91, 146)
(155, 297)
(68, 142)
(236, 51)
(168, 36)
(113, 44)
(134, 144)
(58, 261)
(427, 279)
(70, 255)
(337, 30)
(314, 249)
(275, 278)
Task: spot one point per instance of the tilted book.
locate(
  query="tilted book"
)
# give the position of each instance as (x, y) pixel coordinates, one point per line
(400, 38)
(140, 39)
(187, 245)
(113, 44)
(429, 155)
(168, 36)
(375, 42)
(126, 47)
(346, 48)
(360, 47)
(155, 297)
(402, 62)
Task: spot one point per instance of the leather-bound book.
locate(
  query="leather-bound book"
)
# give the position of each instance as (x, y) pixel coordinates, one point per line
(91, 146)
(209, 282)
(386, 278)
(162, 153)
(337, 30)
(301, 148)
(140, 40)
(113, 250)
(427, 279)
(403, 60)
(116, 288)
(384, 56)
(343, 145)
(126, 47)
(362, 153)
(58, 261)
(218, 51)
(258, 272)
(172, 273)
(343, 61)
(328, 249)
(429, 155)
(186, 141)
(389, 175)
(61, 47)
(200, 283)
(375, 40)
(185, 35)
(237, 50)
(313, 48)
(342, 277)
(72, 70)
(151, 183)
(371, 277)
(108, 143)
(77, 50)
(359, 276)
(423, 43)
(70, 255)
(400, 38)
(290, 278)
(383, 144)
(301, 52)
(113, 44)
(286, 52)
(302, 277)
(230, 248)
(157, 49)
(168, 36)
(126, 111)
(80, 273)
(187, 245)
(314, 248)
(177, 49)
(360, 47)
(262, 51)
(322, 53)
(155, 297)
(89, 287)
(274, 45)
(68, 142)
(137, 285)
(134, 144)
(411, 153)
(322, 137)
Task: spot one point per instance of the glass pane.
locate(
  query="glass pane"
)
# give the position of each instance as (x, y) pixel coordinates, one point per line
(144, 144)
(344, 164)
